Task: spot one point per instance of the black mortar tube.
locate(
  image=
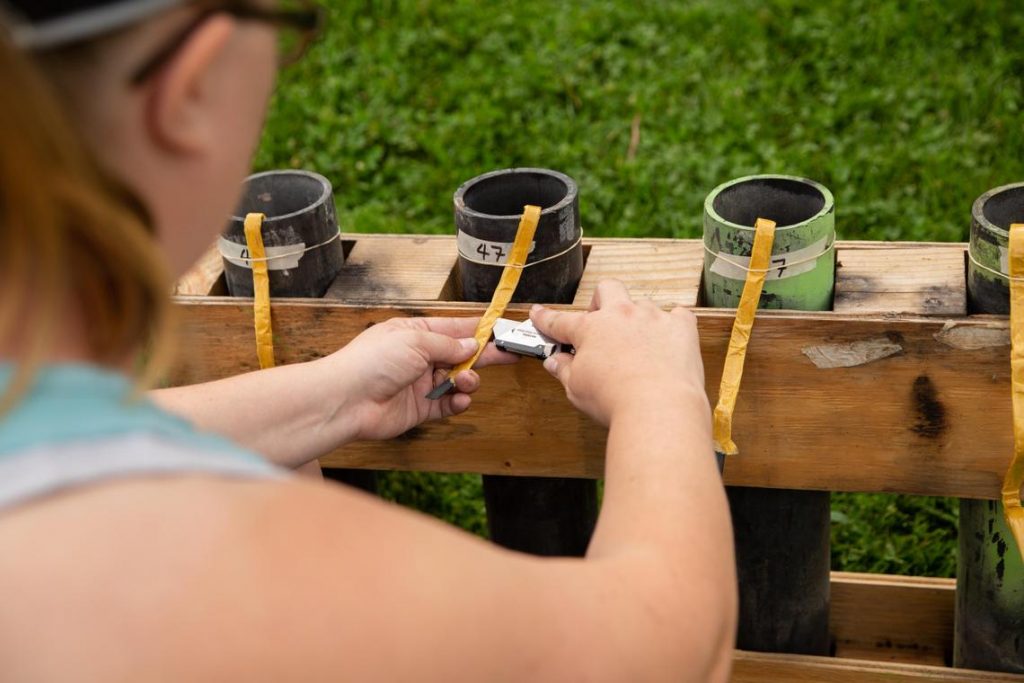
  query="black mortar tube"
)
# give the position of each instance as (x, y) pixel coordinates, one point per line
(299, 209)
(538, 515)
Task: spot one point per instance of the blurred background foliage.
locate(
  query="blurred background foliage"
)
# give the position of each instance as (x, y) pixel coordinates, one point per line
(906, 109)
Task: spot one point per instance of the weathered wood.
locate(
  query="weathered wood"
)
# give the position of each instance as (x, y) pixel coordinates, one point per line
(892, 618)
(665, 271)
(872, 277)
(902, 277)
(758, 667)
(930, 419)
(395, 268)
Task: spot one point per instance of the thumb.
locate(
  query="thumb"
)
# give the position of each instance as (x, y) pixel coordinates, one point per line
(560, 365)
(440, 348)
(559, 325)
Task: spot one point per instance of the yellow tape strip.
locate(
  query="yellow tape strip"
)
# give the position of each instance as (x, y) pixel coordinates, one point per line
(260, 288)
(506, 286)
(760, 258)
(1015, 474)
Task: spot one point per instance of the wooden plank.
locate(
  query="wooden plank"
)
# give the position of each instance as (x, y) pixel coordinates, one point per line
(759, 667)
(901, 277)
(892, 618)
(933, 418)
(666, 271)
(396, 268)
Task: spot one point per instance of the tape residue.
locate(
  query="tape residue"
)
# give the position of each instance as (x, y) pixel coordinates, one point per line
(972, 337)
(851, 354)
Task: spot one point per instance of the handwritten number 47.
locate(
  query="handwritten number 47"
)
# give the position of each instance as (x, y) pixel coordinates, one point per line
(485, 251)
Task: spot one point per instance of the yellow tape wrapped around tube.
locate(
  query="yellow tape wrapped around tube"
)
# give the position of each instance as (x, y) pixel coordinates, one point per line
(732, 373)
(1015, 474)
(260, 289)
(502, 294)
(506, 286)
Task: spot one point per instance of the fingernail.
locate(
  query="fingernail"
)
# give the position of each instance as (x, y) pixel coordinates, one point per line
(551, 365)
(468, 344)
(536, 308)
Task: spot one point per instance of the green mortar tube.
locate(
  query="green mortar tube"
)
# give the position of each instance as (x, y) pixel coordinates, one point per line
(782, 537)
(989, 631)
(803, 237)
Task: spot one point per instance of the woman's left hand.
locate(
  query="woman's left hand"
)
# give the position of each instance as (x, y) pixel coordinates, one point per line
(389, 369)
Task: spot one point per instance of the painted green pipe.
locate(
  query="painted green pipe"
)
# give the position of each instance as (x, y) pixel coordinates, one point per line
(990, 575)
(782, 537)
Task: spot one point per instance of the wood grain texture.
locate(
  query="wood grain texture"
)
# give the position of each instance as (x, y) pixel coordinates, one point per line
(932, 419)
(758, 667)
(395, 268)
(901, 277)
(665, 271)
(892, 618)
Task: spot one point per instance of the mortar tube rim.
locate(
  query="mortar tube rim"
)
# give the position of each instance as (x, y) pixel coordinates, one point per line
(571, 195)
(978, 208)
(827, 207)
(325, 184)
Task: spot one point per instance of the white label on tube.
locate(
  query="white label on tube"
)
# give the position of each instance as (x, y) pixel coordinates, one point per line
(491, 253)
(284, 257)
(803, 261)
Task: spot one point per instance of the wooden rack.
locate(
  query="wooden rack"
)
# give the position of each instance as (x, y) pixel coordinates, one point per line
(895, 390)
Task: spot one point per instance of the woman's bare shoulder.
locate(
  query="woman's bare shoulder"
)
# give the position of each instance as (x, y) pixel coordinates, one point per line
(198, 576)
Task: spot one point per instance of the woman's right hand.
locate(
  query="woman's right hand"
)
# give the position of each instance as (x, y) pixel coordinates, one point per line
(627, 353)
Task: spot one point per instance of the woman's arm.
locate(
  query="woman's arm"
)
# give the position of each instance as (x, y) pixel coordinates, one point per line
(373, 388)
(197, 578)
(655, 596)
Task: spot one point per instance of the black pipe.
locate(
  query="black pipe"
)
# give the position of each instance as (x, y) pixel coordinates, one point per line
(301, 224)
(543, 516)
(300, 221)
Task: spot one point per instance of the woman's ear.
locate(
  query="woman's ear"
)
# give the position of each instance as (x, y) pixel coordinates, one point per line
(181, 106)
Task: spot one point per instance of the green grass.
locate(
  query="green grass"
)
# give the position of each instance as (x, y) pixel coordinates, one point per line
(906, 110)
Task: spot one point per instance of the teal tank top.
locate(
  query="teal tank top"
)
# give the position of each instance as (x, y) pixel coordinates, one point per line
(81, 425)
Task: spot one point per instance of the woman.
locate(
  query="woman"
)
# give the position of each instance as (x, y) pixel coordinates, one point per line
(138, 545)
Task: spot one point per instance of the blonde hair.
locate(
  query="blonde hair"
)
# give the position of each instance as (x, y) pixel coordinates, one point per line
(70, 236)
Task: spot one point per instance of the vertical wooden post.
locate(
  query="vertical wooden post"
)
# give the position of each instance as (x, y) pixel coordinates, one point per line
(990, 575)
(543, 516)
(782, 537)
